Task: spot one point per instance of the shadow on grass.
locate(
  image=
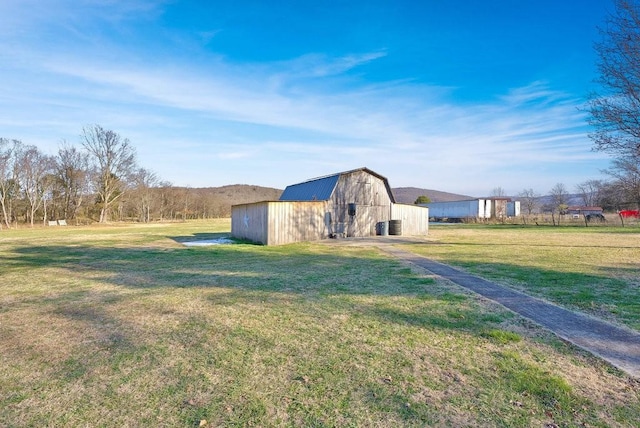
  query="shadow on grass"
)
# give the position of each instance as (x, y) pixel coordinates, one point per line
(246, 267)
(249, 275)
(295, 269)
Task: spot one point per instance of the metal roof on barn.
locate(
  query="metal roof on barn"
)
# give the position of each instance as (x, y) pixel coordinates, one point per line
(321, 189)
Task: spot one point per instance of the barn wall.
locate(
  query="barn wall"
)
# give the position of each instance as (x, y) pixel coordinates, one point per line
(372, 199)
(277, 223)
(250, 221)
(415, 219)
(297, 221)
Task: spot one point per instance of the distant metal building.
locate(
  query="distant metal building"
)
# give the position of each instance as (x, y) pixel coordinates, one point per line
(354, 203)
(474, 209)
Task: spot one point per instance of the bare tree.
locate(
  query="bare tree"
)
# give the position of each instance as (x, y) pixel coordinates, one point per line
(183, 194)
(626, 171)
(164, 190)
(114, 161)
(529, 200)
(72, 172)
(9, 187)
(559, 199)
(614, 114)
(589, 192)
(611, 196)
(145, 182)
(35, 178)
(498, 192)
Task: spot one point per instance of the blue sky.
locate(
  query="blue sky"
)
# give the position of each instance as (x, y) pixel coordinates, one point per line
(461, 96)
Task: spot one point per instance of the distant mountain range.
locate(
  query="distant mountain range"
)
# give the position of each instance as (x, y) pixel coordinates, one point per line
(220, 199)
(234, 194)
(408, 195)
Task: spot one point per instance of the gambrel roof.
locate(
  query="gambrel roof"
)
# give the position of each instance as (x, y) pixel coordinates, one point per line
(321, 188)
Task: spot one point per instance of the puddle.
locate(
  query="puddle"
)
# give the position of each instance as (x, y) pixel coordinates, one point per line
(207, 242)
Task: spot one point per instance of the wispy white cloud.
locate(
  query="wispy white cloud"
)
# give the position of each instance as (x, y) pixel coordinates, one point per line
(320, 65)
(23, 17)
(298, 112)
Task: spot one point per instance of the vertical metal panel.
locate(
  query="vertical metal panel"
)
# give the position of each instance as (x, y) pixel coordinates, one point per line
(487, 209)
(297, 221)
(250, 221)
(415, 219)
(480, 208)
(277, 223)
(513, 209)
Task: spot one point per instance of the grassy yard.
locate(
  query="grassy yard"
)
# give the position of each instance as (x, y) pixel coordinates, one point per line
(125, 326)
(594, 270)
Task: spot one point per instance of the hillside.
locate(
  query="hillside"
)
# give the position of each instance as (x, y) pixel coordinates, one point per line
(220, 199)
(206, 202)
(244, 194)
(408, 195)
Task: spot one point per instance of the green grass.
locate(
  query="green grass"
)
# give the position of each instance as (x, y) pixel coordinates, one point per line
(594, 270)
(124, 326)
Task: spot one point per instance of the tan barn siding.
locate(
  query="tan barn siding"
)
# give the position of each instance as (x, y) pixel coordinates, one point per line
(277, 223)
(296, 221)
(372, 200)
(250, 221)
(415, 219)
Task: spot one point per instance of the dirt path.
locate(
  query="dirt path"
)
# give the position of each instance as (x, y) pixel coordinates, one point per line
(619, 346)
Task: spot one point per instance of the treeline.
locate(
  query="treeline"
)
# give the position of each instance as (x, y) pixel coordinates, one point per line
(98, 181)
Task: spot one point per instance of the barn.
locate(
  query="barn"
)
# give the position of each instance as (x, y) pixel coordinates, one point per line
(356, 203)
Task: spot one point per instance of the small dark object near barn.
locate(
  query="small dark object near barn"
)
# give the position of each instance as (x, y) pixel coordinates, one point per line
(595, 217)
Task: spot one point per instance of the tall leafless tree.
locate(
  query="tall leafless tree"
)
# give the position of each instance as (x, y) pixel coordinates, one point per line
(615, 111)
(529, 199)
(72, 173)
(589, 191)
(144, 182)
(35, 170)
(9, 152)
(559, 200)
(498, 192)
(626, 171)
(114, 161)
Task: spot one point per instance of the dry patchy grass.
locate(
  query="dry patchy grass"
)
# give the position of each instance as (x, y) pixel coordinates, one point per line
(595, 270)
(124, 326)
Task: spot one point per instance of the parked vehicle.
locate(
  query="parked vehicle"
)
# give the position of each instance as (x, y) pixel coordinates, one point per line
(595, 217)
(630, 213)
